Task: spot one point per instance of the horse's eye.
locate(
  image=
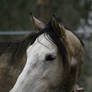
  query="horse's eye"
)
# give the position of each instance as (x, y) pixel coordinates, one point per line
(50, 57)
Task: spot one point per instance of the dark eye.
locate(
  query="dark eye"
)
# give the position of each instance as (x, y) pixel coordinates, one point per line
(50, 57)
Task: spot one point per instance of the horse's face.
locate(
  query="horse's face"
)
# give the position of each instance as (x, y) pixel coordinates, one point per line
(43, 70)
(44, 61)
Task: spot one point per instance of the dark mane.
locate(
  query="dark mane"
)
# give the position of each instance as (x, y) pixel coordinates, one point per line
(18, 49)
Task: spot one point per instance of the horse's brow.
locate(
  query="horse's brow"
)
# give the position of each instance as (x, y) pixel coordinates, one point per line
(46, 37)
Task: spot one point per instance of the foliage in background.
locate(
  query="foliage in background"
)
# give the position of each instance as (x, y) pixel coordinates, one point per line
(14, 14)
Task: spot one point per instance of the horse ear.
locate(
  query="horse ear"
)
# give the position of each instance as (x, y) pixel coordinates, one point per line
(38, 25)
(57, 28)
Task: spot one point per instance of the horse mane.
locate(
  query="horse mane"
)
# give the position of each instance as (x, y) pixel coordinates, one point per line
(18, 48)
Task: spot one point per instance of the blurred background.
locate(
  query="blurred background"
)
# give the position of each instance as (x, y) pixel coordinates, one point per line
(15, 23)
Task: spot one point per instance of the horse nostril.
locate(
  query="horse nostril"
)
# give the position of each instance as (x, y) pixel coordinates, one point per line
(50, 57)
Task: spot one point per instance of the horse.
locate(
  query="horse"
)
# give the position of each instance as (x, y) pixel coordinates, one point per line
(54, 59)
